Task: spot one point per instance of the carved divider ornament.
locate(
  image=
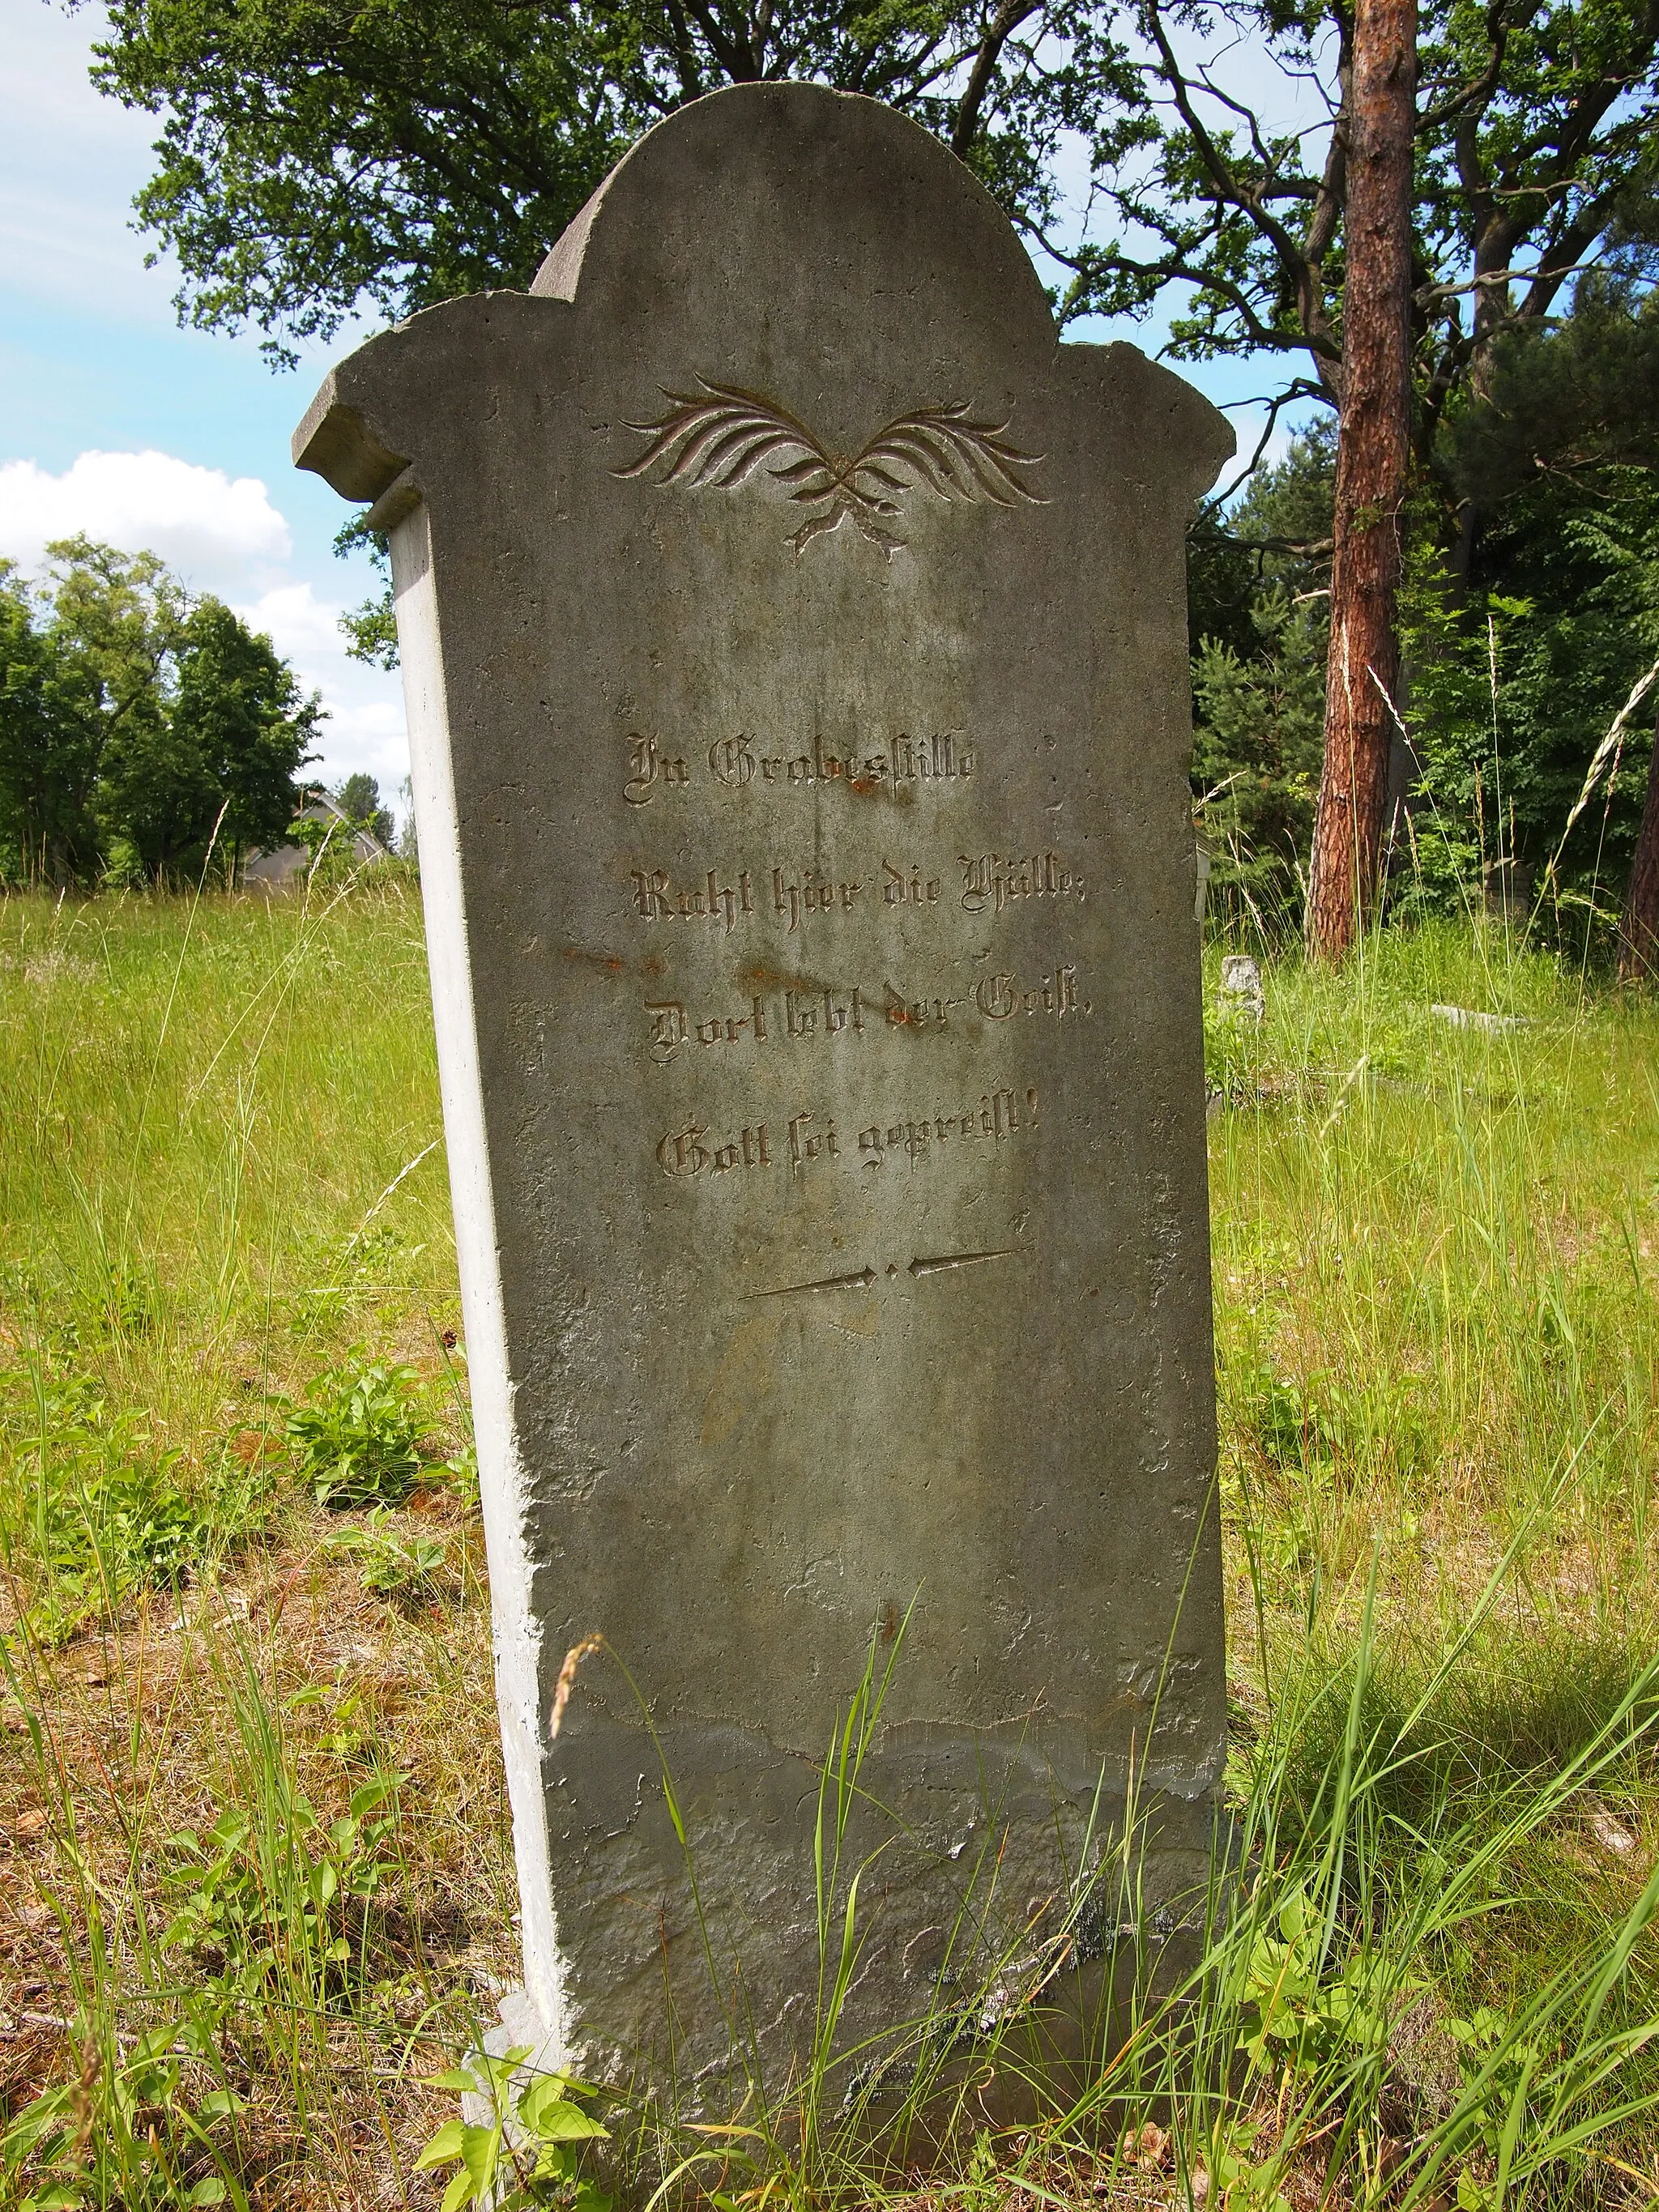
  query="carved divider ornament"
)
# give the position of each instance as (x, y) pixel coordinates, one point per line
(715, 440)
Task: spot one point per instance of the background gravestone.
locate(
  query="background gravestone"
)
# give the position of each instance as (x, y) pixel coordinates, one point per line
(794, 641)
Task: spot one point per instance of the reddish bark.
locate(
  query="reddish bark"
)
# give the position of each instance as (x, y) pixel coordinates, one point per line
(1372, 456)
(1639, 927)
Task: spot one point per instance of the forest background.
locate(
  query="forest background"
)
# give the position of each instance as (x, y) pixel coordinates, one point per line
(311, 166)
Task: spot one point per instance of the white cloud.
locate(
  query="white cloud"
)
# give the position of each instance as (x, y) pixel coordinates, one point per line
(301, 626)
(365, 726)
(368, 736)
(214, 528)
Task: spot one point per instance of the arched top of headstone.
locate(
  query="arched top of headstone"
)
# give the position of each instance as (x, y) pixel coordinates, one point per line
(774, 197)
(811, 262)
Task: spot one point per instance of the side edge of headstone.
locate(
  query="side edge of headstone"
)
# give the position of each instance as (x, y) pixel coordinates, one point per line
(504, 1486)
(381, 411)
(335, 442)
(560, 273)
(355, 435)
(1170, 444)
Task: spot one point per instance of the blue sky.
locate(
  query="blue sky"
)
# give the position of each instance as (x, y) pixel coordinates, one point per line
(113, 420)
(116, 422)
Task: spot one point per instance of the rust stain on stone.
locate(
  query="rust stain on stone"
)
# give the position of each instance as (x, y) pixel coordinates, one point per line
(609, 963)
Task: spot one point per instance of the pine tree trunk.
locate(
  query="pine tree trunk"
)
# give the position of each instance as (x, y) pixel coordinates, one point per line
(1639, 928)
(1372, 456)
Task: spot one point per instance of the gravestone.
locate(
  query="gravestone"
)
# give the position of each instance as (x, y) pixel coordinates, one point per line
(794, 635)
(1242, 991)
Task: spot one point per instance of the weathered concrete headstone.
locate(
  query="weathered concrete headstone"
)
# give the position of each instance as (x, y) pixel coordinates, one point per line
(793, 637)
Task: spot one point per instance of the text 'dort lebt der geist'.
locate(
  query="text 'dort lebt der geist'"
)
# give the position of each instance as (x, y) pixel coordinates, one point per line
(810, 1014)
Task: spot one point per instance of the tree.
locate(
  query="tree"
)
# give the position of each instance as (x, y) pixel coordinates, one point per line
(1517, 673)
(1559, 464)
(1260, 638)
(40, 794)
(359, 800)
(1639, 924)
(1570, 402)
(95, 645)
(135, 722)
(371, 629)
(238, 710)
(1533, 131)
(1517, 679)
(1362, 682)
(315, 155)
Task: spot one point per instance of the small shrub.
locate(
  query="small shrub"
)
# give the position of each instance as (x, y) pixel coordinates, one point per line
(135, 2127)
(1244, 2186)
(1296, 1425)
(1240, 1053)
(94, 1512)
(1299, 2013)
(348, 1732)
(529, 2155)
(463, 1472)
(279, 1897)
(355, 1442)
(117, 1528)
(406, 1565)
(121, 1303)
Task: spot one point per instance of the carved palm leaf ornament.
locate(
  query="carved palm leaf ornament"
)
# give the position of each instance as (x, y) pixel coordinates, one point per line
(715, 439)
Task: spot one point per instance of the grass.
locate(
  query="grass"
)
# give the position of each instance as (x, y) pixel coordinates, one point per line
(255, 1871)
(226, 1283)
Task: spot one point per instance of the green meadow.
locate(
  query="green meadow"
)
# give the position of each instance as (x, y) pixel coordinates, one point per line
(255, 1880)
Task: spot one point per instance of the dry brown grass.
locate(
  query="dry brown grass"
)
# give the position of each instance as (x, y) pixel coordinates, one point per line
(137, 1740)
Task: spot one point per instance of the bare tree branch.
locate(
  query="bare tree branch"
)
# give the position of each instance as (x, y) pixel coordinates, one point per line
(1007, 19)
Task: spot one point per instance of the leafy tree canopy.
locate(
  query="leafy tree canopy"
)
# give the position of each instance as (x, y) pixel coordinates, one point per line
(1517, 666)
(137, 725)
(1570, 402)
(1524, 666)
(316, 155)
(1536, 130)
(359, 800)
(1260, 620)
